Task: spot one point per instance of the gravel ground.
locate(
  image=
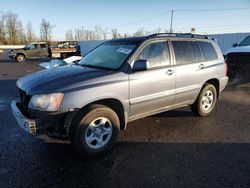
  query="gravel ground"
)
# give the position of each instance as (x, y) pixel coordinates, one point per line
(172, 149)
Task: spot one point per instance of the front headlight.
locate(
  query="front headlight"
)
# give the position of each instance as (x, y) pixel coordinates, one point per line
(46, 102)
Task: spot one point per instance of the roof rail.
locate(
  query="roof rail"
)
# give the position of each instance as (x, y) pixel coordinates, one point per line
(190, 35)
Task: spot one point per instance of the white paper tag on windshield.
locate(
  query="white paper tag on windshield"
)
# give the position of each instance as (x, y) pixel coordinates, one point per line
(124, 50)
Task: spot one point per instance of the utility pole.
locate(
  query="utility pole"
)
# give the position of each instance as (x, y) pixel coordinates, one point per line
(171, 23)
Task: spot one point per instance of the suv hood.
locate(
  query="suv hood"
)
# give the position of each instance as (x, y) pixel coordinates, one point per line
(59, 79)
(239, 49)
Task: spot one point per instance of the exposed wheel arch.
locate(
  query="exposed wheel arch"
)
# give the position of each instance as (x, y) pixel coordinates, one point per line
(112, 103)
(216, 83)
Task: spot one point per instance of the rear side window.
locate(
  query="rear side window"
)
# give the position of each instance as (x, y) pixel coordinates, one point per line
(184, 52)
(157, 54)
(197, 52)
(207, 50)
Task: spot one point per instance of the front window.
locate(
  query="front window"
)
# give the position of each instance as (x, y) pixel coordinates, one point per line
(108, 55)
(245, 42)
(157, 54)
(31, 46)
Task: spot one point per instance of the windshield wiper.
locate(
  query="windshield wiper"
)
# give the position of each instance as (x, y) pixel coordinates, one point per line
(95, 67)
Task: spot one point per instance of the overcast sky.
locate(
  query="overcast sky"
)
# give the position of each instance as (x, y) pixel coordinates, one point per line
(127, 16)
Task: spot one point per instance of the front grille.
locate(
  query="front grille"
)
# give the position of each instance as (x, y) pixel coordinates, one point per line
(25, 99)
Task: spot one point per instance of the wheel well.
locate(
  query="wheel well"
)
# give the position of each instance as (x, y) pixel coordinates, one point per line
(215, 82)
(21, 54)
(114, 104)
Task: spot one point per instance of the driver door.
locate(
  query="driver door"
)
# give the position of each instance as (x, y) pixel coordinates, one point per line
(33, 50)
(152, 90)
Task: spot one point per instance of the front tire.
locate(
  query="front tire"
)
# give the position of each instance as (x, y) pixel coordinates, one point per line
(95, 131)
(206, 101)
(20, 58)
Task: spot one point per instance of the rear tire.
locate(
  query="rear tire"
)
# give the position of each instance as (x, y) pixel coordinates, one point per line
(20, 58)
(95, 131)
(206, 101)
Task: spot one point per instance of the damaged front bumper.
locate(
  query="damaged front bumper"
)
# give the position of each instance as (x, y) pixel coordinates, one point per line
(29, 125)
(42, 121)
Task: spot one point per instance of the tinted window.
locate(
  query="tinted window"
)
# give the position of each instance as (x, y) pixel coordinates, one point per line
(197, 52)
(245, 42)
(184, 52)
(157, 54)
(42, 45)
(207, 50)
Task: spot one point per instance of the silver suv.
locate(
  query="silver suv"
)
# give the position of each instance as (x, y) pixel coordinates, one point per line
(120, 81)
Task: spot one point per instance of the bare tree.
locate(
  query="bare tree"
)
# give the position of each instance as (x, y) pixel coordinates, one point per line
(21, 36)
(12, 25)
(2, 29)
(78, 34)
(139, 32)
(89, 35)
(114, 33)
(100, 33)
(85, 34)
(30, 34)
(104, 33)
(69, 35)
(157, 30)
(46, 30)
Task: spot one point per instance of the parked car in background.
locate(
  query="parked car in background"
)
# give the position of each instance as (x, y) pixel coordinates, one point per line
(65, 49)
(120, 81)
(61, 62)
(238, 60)
(42, 50)
(242, 47)
(33, 50)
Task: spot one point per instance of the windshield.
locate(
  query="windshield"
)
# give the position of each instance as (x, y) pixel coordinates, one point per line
(58, 62)
(245, 42)
(108, 55)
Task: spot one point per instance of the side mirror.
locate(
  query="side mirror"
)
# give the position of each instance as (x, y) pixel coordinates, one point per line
(140, 65)
(235, 44)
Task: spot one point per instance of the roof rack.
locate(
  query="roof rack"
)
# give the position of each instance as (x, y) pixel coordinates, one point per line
(190, 35)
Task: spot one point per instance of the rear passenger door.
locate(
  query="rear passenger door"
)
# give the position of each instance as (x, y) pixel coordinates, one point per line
(152, 89)
(44, 50)
(190, 70)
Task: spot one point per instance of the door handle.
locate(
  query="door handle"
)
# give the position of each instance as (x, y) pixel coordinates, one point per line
(202, 66)
(170, 72)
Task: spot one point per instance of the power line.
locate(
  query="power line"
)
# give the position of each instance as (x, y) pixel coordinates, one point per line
(212, 10)
(143, 20)
(181, 10)
(217, 26)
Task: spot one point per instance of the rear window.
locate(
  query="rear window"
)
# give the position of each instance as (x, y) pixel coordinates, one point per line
(184, 52)
(208, 51)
